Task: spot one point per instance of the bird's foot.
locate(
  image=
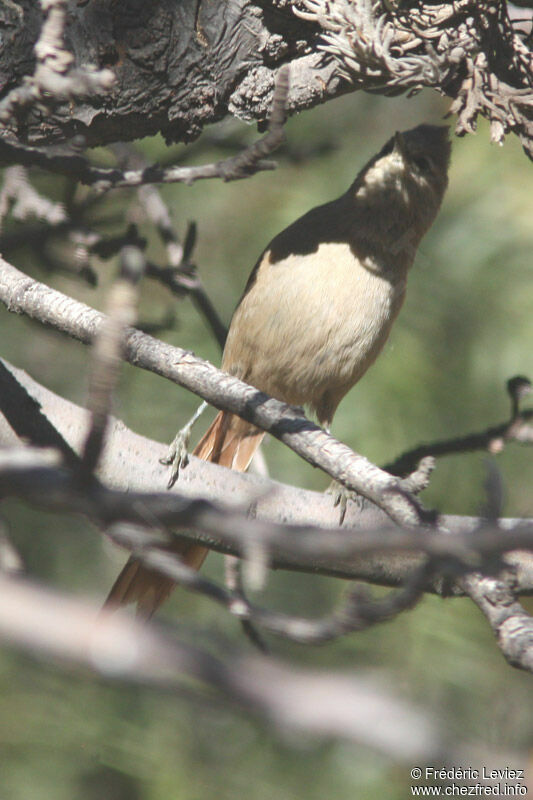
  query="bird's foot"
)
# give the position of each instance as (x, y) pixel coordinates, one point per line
(341, 494)
(177, 456)
(178, 452)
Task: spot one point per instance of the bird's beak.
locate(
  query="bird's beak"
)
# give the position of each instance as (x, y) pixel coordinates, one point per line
(399, 145)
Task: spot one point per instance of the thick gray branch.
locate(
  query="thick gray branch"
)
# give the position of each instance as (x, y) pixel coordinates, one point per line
(364, 548)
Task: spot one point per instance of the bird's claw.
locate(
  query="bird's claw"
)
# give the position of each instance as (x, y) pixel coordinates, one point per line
(177, 456)
(341, 494)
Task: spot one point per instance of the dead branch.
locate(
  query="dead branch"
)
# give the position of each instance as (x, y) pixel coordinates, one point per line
(107, 354)
(54, 626)
(493, 439)
(243, 165)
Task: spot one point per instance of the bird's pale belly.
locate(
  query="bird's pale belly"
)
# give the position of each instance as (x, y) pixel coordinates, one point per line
(319, 321)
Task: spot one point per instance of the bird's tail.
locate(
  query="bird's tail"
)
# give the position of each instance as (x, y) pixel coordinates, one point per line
(231, 442)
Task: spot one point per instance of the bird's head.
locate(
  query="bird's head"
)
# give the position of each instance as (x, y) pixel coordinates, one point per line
(407, 178)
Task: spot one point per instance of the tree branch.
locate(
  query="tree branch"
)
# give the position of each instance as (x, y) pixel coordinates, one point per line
(21, 294)
(180, 68)
(493, 439)
(511, 625)
(54, 626)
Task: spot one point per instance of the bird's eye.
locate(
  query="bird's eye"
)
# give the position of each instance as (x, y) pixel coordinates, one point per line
(423, 163)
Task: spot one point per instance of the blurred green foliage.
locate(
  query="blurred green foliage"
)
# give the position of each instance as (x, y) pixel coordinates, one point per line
(466, 327)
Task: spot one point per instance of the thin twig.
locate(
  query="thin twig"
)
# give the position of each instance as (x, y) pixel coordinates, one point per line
(18, 192)
(55, 78)
(517, 429)
(184, 279)
(243, 165)
(180, 275)
(107, 354)
(233, 580)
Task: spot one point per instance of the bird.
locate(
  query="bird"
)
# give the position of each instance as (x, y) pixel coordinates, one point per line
(317, 310)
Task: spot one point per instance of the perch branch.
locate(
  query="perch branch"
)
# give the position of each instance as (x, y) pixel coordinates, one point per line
(22, 294)
(146, 520)
(37, 477)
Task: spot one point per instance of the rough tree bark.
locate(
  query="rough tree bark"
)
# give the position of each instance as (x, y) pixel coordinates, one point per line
(180, 66)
